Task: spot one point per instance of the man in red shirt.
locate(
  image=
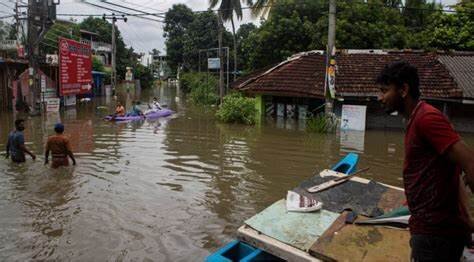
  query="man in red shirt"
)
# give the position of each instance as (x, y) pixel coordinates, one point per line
(435, 157)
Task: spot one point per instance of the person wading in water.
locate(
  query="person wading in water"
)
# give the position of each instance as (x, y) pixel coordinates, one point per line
(16, 148)
(60, 148)
(435, 157)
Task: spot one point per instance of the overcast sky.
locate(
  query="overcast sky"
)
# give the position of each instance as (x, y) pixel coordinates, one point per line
(142, 35)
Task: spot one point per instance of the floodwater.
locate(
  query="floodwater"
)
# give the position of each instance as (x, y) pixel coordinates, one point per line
(169, 190)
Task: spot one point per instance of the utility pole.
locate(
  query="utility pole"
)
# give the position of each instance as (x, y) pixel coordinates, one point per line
(41, 15)
(114, 53)
(33, 54)
(113, 76)
(221, 68)
(330, 57)
(17, 22)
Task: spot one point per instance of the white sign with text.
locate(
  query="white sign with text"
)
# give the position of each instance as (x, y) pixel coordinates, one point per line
(353, 117)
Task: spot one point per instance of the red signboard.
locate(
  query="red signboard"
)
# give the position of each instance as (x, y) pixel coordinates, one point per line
(75, 67)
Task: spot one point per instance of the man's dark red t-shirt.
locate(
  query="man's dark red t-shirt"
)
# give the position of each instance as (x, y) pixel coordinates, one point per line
(431, 180)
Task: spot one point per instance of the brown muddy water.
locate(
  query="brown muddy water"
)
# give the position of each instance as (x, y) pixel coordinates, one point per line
(169, 190)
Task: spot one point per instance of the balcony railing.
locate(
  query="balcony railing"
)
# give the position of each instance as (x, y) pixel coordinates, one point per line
(98, 46)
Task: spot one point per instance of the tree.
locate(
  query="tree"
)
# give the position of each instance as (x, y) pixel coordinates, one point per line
(288, 30)
(261, 8)
(202, 34)
(242, 34)
(416, 13)
(377, 26)
(448, 31)
(155, 52)
(177, 20)
(69, 30)
(227, 9)
(4, 30)
(125, 57)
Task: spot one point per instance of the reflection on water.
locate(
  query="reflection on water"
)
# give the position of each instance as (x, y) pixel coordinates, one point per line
(352, 141)
(173, 189)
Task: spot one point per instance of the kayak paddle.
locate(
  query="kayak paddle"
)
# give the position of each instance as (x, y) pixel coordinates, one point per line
(334, 182)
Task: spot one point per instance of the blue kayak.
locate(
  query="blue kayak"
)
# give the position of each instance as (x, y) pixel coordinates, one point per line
(150, 115)
(347, 165)
(243, 252)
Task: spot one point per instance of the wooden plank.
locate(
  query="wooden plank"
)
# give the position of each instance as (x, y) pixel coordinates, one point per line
(296, 229)
(272, 246)
(348, 242)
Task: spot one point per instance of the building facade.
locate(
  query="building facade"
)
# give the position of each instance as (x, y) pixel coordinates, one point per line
(294, 88)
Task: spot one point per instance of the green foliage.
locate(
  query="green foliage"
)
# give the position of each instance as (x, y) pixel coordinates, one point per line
(242, 34)
(294, 26)
(202, 88)
(5, 29)
(177, 20)
(60, 29)
(321, 124)
(145, 74)
(102, 27)
(186, 33)
(97, 65)
(200, 34)
(125, 56)
(287, 31)
(237, 109)
(192, 79)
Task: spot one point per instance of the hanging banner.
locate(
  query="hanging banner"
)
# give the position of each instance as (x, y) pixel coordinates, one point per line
(75, 67)
(331, 75)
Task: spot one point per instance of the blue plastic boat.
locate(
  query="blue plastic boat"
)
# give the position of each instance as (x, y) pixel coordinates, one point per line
(240, 251)
(348, 164)
(243, 252)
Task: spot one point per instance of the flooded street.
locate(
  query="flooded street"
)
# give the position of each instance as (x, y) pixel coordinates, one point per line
(169, 190)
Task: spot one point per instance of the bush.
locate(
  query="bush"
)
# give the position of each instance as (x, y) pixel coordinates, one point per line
(193, 79)
(322, 123)
(202, 88)
(97, 65)
(237, 109)
(204, 94)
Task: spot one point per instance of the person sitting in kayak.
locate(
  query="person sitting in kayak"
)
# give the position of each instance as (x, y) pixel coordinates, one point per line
(119, 110)
(155, 105)
(136, 111)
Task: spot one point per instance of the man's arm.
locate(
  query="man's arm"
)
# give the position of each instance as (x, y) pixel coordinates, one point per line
(24, 149)
(46, 156)
(71, 155)
(69, 152)
(463, 156)
(46, 152)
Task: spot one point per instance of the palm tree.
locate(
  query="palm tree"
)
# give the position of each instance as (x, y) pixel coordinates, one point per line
(227, 9)
(261, 8)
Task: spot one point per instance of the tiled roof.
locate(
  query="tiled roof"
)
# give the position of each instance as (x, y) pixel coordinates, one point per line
(461, 68)
(303, 75)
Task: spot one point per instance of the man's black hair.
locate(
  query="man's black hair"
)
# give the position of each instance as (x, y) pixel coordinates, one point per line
(18, 122)
(399, 73)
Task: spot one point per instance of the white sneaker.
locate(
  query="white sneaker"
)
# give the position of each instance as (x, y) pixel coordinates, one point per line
(299, 203)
